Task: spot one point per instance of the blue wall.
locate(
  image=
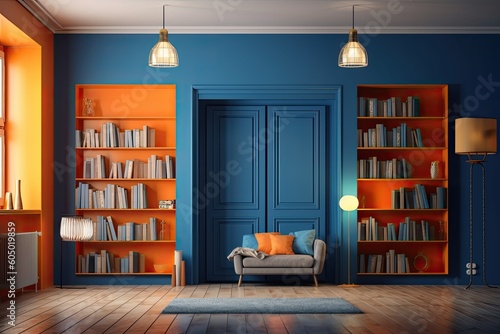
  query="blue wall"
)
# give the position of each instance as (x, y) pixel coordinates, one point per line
(467, 63)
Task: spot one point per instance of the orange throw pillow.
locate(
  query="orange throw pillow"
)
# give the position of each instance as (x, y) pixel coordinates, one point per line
(264, 241)
(281, 244)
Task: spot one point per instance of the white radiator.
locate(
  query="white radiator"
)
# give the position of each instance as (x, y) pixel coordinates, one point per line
(26, 260)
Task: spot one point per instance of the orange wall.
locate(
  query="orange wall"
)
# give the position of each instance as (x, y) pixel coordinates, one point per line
(23, 102)
(31, 47)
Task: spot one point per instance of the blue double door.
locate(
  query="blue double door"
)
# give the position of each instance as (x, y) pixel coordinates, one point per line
(265, 171)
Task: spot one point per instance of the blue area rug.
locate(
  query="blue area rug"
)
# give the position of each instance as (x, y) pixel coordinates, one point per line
(260, 305)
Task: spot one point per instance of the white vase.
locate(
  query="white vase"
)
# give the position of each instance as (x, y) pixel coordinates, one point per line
(18, 201)
(434, 169)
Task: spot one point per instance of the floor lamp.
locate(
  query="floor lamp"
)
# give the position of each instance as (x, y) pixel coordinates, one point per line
(476, 138)
(74, 228)
(348, 203)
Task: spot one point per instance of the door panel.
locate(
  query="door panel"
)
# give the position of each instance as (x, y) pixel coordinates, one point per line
(235, 182)
(296, 168)
(287, 225)
(224, 229)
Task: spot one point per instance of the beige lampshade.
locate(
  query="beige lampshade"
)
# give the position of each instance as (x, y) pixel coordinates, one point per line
(475, 135)
(163, 53)
(353, 54)
(76, 228)
(349, 203)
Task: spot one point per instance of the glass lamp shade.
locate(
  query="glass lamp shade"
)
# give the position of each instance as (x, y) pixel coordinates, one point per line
(76, 229)
(353, 54)
(349, 203)
(163, 54)
(475, 136)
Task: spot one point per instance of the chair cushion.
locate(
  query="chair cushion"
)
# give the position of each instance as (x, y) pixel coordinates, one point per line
(279, 261)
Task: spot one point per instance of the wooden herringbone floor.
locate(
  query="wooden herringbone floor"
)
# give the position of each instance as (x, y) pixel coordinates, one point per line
(136, 309)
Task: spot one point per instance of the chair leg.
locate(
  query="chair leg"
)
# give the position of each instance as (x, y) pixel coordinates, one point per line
(315, 280)
(239, 281)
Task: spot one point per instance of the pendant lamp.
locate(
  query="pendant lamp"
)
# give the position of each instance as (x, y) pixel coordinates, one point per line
(353, 54)
(163, 54)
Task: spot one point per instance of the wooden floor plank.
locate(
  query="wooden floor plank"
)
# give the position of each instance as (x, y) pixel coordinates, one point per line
(158, 301)
(217, 323)
(255, 323)
(236, 323)
(198, 324)
(292, 324)
(161, 324)
(180, 324)
(274, 324)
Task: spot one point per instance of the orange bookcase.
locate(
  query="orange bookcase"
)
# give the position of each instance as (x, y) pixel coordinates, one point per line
(127, 108)
(388, 172)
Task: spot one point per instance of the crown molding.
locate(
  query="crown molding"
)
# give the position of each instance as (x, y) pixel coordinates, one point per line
(276, 30)
(39, 11)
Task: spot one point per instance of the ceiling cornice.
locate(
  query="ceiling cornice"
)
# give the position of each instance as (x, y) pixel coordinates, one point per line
(38, 10)
(276, 30)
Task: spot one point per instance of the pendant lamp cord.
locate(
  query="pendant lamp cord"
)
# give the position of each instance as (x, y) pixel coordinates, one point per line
(164, 7)
(353, 17)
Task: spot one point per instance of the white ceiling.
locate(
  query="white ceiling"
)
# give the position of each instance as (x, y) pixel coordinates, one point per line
(268, 16)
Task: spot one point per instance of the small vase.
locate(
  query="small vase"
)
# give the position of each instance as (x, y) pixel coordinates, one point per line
(162, 231)
(18, 201)
(8, 201)
(88, 107)
(434, 169)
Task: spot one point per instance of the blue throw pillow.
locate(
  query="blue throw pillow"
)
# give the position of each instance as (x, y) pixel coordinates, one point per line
(249, 241)
(303, 241)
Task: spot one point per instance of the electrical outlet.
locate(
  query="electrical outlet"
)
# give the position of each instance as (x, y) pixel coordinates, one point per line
(468, 272)
(468, 265)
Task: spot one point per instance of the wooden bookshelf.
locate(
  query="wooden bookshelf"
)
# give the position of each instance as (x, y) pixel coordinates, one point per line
(128, 107)
(381, 179)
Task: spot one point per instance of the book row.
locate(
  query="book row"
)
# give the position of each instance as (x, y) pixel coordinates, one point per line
(372, 168)
(106, 262)
(380, 136)
(105, 230)
(111, 136)
(111, 197)
(408, 230)
(154, 168)
(417, 198)
(391, 107)
(390, 262)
